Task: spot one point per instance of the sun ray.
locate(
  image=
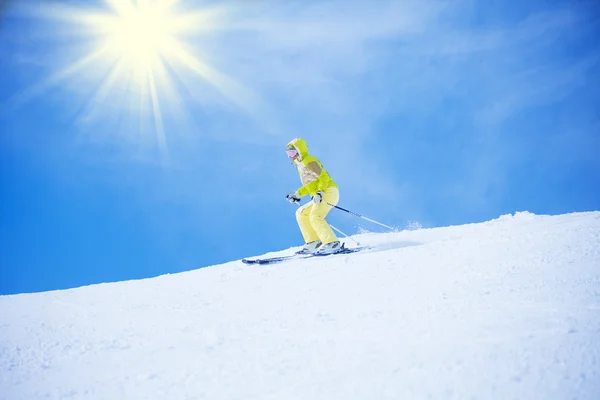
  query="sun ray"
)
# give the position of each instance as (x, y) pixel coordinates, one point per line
(158, 121)
(197, 21)
(177, 107)
(122, 7)
(102, 93)
(55, 79)
(240, 95)
(85, 19)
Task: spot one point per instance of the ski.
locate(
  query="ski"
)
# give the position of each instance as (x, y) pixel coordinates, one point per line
(343, 250)
(274, 260)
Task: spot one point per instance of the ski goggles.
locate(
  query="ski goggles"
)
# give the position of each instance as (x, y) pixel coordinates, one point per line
(292, 153)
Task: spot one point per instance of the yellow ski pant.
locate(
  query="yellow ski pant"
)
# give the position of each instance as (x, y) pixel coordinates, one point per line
(311, 218)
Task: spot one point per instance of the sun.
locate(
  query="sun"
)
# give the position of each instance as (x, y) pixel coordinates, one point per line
(140, 35)
(142, 53)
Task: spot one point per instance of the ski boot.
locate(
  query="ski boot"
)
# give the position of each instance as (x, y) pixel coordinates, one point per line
(310, 248)
(330, 248)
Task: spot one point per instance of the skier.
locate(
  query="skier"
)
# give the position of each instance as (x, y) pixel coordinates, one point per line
(316, 182)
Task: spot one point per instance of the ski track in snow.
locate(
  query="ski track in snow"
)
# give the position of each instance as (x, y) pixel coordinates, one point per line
(506, 309)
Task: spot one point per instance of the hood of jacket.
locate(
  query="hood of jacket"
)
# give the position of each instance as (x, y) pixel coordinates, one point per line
(300, 145)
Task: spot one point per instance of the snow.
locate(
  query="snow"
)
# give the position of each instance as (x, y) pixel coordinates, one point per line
(505, 309)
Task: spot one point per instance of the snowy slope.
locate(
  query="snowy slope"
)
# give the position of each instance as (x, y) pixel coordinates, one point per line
(507, 309)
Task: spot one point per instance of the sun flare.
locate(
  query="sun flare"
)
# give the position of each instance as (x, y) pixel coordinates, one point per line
(140, 36)
(140, 55)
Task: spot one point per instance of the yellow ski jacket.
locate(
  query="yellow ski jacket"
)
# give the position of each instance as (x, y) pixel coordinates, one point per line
(313, 175)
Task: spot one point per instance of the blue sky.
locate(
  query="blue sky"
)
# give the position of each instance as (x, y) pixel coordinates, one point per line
(438, 112)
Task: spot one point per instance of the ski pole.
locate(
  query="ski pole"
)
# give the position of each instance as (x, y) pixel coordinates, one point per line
(361, 216)
(347, 237)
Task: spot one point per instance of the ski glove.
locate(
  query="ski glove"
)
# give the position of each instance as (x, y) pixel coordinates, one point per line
(317, 198)
(293, 198)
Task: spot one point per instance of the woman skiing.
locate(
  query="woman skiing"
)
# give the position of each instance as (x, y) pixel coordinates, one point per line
(316, 182)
